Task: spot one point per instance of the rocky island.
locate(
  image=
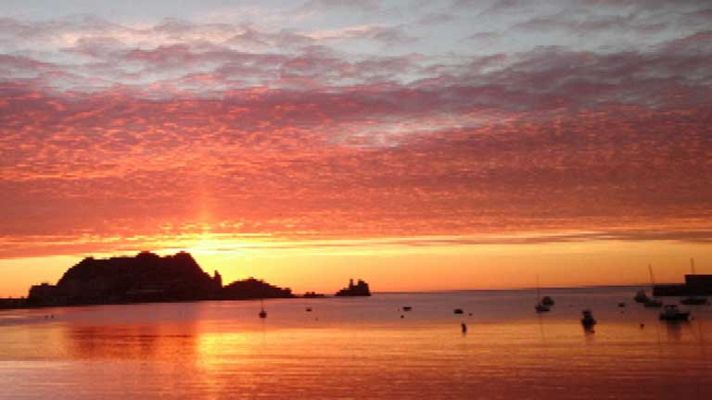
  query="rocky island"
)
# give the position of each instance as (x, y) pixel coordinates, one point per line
(146, 277)
(358, 289)
(253, 289)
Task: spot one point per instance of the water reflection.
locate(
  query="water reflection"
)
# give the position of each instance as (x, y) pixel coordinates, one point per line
(357, 349)
(131, 342)
(588, 333)
(674, 330)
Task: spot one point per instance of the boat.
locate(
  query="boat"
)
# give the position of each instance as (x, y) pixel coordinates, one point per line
(621, 304)
(457, 311)
(407, 308)
(587, 320)
(541, 306)
(262, 314)
(308, 309)
(651, 302)
(693, 300)
(640, 296)
(547, 301)
(671, 313)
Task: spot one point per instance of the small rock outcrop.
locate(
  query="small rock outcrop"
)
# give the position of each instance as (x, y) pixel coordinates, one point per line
(253, 289)
(358, 289)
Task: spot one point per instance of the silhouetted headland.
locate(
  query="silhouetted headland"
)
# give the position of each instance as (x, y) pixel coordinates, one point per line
(13, 302)
(359, 289)
(147, 277)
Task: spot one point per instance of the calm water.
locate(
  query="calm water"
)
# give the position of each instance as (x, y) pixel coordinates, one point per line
(359, 348)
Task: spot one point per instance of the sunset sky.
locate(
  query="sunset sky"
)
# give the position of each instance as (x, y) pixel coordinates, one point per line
(420, 145)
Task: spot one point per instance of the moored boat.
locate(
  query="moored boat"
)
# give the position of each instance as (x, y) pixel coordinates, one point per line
(262, 314)
(540, 308)
(650, 302)
(587, 320)
(543, 304)
(640, 296)
(671, 313)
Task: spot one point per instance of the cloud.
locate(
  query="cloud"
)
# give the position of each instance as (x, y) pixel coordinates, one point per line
(389, 35)
(323, 5)
(295, 164)
(114, 132)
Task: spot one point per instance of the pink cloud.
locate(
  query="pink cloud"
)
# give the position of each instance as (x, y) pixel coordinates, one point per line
(310, 143)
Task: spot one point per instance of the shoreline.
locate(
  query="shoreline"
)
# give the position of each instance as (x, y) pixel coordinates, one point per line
(632, 286)
(124, 303)
(434, 292)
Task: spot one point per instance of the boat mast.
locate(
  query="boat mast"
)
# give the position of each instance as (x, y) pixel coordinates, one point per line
(538, 295)
(652, 279)
(692, 265)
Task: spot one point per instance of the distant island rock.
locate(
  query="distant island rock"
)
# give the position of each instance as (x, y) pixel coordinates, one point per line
(146, 277)
(358, 289)
(253, 289)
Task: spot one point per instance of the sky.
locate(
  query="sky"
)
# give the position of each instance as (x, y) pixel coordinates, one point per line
(420, 145)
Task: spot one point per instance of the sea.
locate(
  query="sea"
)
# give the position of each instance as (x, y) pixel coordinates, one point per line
(360, 348)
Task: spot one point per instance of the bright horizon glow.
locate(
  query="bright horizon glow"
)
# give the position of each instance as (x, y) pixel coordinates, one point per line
(389, 267)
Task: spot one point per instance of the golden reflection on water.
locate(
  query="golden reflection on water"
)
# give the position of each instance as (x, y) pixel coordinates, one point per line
(354, 349)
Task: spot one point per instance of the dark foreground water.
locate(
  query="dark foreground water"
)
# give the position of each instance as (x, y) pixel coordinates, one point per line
(359, 348)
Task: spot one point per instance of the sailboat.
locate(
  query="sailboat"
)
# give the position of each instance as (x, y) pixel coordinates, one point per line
(263, 313)
(540, 306)
(652, 302)
(693, 300)
(640, 296)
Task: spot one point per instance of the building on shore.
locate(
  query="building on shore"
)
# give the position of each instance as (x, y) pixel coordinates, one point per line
(695, 285)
